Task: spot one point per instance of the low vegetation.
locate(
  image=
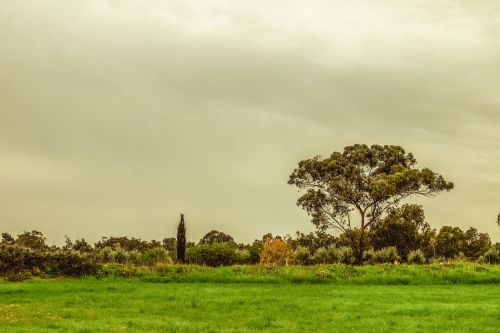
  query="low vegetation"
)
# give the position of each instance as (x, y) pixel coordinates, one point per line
(384, 274)
(28, 255)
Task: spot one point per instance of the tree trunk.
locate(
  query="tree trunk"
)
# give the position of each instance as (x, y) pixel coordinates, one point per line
(361, 244)
(361, 248)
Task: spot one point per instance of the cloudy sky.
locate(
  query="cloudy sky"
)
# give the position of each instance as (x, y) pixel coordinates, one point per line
(115, 116)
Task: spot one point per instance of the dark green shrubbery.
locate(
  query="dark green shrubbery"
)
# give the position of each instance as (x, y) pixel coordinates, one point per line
(330, 255)
(492, 256)
(302, 255)
(18, 261)
(70, 263)
(147, 257)
(416, 257)
(153, 256)
(15, 259)
(341, 255)
(28, 255)
(385, 255)
(216, 254)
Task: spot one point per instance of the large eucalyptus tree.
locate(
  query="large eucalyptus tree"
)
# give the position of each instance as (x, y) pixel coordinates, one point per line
(361, 181)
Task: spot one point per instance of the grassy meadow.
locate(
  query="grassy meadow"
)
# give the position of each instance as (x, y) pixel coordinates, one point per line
(383, 274)
(454, 298)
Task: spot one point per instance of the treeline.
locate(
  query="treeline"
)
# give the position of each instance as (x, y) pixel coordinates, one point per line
(402, 236)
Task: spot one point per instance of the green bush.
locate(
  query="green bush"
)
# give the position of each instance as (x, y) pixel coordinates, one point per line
(341, 255)
(302, 255)
(416, 257)
(107, 254)
(492, 256)
(153, 256)
(133, 256)
(70, 263)
(368, 255)
(321, 256)
(15, 259)
(120, 255)
(216, 254)
(243, 257)
(18, 261)
(384, 255)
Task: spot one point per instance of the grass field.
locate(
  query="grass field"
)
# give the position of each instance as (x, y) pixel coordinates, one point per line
(385, 274)
(136, 305)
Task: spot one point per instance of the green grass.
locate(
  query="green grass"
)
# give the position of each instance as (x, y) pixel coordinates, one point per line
(90, 305)
(447, 297)
(387, 274)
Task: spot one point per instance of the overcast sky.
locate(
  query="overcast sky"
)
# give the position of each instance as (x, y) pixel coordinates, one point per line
(115, 116)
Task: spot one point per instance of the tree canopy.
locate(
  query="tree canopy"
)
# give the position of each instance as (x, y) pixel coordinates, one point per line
(362, 180)
(215, 236)
(403, 227)
(181, 240)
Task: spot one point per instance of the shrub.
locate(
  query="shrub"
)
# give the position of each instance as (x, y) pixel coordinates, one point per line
(460, 257)
(70, 263)
(275, 251)
(133, 256)
(384, 255)
(120, 255)
(15, 259)
(155, 255)
(387, 255)
(341, 255)
(346, 255)
(321, 256)
(216, 254)
(302, 255)
(243, 257)
(17, 276)
(107, 254)
(368, 255)
(18, 262)
(492, 256)
(416, 257)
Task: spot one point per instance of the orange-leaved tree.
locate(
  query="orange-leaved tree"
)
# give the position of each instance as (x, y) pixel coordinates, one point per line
(275, 251)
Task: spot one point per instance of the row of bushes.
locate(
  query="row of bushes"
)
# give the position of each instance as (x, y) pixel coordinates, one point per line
(217, 254)
(227, 254)
(147, 257)
(28, 254)
(345, 255)
(15, 258)
(17, 262)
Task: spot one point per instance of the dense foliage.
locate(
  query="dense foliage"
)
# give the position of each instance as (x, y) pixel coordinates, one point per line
(28, 254)
(216, 254)
(181, 241)
(363, 182)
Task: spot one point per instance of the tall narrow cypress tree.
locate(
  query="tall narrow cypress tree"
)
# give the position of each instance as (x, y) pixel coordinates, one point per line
(181, 241)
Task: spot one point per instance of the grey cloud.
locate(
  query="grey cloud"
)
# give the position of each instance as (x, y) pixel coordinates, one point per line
(114, 116)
